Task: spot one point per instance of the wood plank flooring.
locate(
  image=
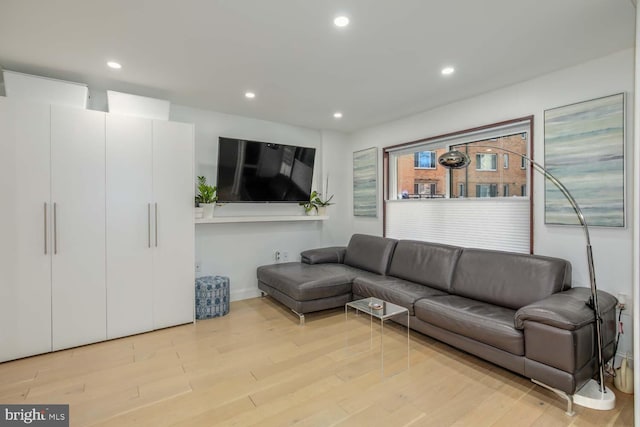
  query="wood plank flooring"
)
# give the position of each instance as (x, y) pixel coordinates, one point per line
(257, 367)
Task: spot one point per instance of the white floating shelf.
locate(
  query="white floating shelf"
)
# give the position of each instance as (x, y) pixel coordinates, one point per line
(264, 218)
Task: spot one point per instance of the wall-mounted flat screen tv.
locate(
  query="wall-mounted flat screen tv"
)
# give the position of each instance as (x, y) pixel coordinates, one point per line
(253, 171)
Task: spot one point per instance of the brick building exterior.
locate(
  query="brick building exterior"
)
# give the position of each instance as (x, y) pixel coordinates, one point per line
(492, 173)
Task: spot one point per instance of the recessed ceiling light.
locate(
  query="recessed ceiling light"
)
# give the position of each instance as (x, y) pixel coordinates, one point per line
(337, 115)
(341, 21)
(249, 95)
(447, 71)
(114, 65)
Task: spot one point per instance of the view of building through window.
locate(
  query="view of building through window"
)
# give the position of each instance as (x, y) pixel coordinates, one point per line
(492, 173)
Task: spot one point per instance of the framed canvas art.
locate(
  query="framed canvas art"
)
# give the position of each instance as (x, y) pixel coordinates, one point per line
(365, 182)
(584, 147)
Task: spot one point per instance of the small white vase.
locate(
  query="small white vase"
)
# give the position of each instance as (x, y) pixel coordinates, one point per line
(322, 210)
(311, 212)
(207, 209)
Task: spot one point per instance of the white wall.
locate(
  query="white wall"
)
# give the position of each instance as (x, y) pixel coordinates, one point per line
(235, 250)
(336, 166)
(612, 247)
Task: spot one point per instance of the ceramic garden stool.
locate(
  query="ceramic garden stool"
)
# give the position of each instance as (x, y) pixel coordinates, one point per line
(212, 296)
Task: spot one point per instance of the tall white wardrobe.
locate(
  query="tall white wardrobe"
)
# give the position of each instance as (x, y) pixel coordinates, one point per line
(96, 226)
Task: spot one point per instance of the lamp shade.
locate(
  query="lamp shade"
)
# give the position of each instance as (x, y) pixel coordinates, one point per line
(454, 159)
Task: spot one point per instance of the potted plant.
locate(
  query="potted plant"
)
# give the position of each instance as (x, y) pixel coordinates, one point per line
(310, 207)
(321, 204)
(316, 205)
(207, 196)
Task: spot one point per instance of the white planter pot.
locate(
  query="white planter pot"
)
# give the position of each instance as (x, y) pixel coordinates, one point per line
(207, 209)
(311, 212)
(322, 210)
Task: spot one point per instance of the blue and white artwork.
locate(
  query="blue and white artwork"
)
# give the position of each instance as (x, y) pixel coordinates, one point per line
(584, 149)
(365, 182)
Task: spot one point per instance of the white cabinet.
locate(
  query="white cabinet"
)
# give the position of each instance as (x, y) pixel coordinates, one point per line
(52, 274)
(173, 274)
(129, 225)
(25, 246)
(78, 196)
(96, 226)
(150, 233)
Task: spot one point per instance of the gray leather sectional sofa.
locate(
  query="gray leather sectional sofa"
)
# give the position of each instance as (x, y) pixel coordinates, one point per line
(517, 311)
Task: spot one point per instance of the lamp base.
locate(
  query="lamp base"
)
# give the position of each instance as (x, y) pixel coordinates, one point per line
(591, 397)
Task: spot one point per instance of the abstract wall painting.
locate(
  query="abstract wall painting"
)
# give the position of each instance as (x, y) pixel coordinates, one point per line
(584, 147)
(365, 182)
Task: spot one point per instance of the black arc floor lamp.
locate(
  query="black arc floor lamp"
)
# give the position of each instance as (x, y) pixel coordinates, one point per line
(594, 394)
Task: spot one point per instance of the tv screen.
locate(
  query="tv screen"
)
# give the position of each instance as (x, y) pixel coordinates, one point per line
(253, 171)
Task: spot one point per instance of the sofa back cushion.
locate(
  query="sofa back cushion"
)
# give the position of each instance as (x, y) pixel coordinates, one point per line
(509, 279)
(371, 253)
(426, 263)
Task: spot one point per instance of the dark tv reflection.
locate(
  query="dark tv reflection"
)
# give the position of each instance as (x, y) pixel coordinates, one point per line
(253, 171)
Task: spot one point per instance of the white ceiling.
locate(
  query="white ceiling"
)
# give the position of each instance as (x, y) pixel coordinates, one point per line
(385, 65)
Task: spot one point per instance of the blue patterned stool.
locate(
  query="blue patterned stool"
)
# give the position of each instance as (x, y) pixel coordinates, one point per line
(212, 296)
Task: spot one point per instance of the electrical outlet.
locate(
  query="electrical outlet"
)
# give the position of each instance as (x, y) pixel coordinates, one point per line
(278, 256)
(285, 256)
(198, 267)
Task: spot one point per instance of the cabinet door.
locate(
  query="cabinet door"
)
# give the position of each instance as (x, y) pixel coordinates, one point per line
(78, 196)
(129, 226)
(173, 188)
(25, 260)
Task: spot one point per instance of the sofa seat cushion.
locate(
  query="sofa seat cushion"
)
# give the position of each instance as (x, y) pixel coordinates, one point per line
(305, 282)
(392, 289)
(487, 323)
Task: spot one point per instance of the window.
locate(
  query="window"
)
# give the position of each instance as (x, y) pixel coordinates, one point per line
(489, 189)
(486, 190)
(461, 190)
(414, 172)
(486, 162)
(523, 163)
(425, 160)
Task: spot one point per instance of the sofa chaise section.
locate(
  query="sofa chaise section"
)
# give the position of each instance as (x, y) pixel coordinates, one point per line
(324, 278)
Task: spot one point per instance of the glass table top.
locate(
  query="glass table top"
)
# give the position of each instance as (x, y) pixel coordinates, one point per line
(377, 307)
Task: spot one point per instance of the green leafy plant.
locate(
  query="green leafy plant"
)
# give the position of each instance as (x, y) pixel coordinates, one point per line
(319, 202)
(310, 205)
(206, 192)
(315, 202)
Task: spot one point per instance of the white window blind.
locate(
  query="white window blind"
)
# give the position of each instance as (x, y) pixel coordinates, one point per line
(496, 223)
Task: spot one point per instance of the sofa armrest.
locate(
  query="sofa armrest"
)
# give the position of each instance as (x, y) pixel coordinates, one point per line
(565, 310)
(334, 254)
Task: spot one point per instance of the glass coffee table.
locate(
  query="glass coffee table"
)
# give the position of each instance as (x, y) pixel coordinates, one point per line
(381, 310)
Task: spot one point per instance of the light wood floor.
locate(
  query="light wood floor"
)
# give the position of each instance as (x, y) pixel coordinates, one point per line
(256, 366)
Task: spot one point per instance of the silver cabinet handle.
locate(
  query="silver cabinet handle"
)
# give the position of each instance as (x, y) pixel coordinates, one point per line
(45, 228)
(55, 228)
(149, 224)
(156, 225)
